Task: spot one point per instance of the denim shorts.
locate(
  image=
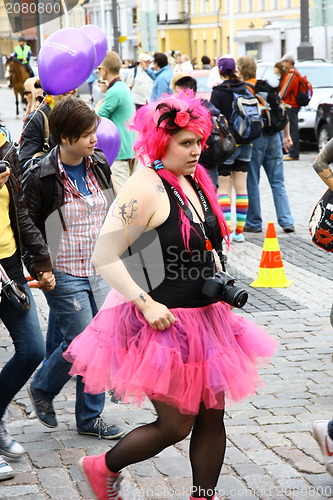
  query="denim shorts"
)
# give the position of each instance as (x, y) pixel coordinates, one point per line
(238, 161)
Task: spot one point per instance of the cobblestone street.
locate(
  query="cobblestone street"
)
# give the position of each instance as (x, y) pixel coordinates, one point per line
(271, 453)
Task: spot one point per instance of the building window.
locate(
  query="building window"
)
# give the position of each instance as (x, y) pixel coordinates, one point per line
(252, 49)
(204, 49)
(134, 15)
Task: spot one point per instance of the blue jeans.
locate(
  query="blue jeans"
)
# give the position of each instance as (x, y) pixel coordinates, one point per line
(267, 152)
(27, 337)
(74, 302)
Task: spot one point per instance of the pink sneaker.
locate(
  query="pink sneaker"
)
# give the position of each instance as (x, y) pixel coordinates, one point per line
(103, 483)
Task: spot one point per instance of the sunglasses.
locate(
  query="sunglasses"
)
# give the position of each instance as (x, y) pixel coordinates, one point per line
(26, 92)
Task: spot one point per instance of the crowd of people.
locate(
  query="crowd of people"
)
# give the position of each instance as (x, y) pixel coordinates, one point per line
(124, 315)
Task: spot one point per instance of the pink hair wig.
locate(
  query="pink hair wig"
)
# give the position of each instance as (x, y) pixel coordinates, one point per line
(154, 134)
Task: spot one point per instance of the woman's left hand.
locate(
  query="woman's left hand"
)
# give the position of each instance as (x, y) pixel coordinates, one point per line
(4, 176)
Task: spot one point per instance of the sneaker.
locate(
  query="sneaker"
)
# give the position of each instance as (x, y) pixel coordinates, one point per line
(8, 446)
(44, 409)
(103, 483)
(102, 430)
(6, 472)
(249, 229)
(320, 431)
(237, 237)
(289, 229)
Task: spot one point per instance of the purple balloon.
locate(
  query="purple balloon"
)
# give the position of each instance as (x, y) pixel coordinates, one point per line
(108, 139)
(66, 60)
(99, 39)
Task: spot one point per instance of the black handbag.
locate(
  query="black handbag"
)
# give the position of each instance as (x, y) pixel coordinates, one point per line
(321, 222)
(14, 292)
(220, 144)
(227, 139)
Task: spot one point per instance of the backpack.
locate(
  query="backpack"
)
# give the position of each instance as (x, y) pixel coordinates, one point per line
(220, 144)
(245, 120)
(305, 90)
(273, 110)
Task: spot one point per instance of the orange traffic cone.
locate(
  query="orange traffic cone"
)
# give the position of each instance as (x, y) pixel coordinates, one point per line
(271, 271)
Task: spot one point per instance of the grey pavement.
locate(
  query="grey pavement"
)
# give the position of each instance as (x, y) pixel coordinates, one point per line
(271, 453)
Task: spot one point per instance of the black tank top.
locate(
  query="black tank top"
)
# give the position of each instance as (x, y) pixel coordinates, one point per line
(174, 276)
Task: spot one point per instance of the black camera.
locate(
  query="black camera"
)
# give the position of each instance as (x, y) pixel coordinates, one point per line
(222, 287)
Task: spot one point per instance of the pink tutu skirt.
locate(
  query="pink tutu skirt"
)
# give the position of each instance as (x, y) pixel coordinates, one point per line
(209, 355)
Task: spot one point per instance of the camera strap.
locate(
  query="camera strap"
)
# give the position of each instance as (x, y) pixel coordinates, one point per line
(210, 217)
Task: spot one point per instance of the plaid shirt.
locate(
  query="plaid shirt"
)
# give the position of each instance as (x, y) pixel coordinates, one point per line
(83, 217)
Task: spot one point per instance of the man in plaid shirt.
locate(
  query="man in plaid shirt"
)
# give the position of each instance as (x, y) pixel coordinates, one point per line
(68, 195)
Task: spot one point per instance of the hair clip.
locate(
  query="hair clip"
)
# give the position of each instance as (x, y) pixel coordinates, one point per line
(157, 165)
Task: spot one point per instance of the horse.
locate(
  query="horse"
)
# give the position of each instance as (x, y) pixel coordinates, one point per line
(18, 74)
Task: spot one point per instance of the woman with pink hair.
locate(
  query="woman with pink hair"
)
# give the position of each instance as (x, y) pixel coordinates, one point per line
(157, 334)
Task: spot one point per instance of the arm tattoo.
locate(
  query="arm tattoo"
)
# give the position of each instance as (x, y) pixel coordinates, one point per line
(160, 187)
(142, 297)
(126, 212)
(321, 163)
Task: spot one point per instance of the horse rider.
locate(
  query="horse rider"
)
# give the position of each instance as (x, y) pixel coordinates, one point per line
(22, 54)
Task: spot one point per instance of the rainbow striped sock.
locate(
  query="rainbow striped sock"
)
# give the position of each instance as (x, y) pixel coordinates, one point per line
(242, 203)
(225, 204)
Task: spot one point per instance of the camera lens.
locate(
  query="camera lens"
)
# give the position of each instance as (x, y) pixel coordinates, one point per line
(240, 298)
(236, 297)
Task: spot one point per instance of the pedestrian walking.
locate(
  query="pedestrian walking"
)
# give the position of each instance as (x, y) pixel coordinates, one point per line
(69, 194)
(161, 75)
(233, 171)
(266, 153)
(139, 82)
(323, 429)
(288, 93)
(118, 107)
(184, 350)
(18, 230)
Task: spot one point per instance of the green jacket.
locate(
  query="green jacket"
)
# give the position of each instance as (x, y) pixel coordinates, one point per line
(23, 53)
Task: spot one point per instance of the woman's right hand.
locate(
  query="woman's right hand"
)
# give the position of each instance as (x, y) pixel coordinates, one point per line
(158, 315)
(4, 176)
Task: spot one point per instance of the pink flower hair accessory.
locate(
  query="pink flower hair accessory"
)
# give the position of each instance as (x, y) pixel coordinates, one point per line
(182, 118)
(166, 112)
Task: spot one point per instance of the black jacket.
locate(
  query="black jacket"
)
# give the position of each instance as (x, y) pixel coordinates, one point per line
(25, 232)
(45, 191)
(32, 138)
(222, 95)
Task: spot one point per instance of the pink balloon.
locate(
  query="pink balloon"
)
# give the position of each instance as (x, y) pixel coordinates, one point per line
(99, 40)
(108, 139)
(66, 60)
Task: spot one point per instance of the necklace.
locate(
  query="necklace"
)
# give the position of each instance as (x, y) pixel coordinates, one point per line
(208, 243)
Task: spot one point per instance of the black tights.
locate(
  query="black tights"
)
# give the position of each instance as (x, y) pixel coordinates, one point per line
(207, 444)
